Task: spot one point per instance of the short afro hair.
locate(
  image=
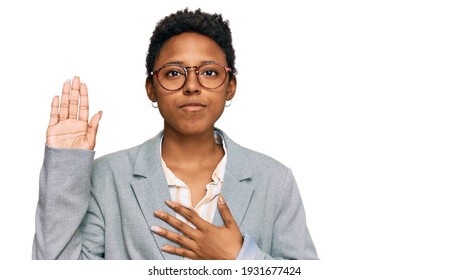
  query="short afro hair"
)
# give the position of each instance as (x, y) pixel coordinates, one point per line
(210, 25)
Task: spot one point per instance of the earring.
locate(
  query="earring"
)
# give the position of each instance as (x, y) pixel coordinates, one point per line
(228, 104)
(154, 105)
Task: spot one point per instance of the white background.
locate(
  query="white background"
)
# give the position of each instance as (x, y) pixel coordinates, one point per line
(351, 95)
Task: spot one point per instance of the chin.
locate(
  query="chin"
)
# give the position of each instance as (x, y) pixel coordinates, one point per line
(195, 130)
(191, 128)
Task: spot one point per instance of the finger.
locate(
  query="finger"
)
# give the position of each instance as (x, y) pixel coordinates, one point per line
(175, 237)
(54, 117)
(74, 96)
(190, 214)
(64, 106)
(92, 128)
(225, 213)
(180, 252)
(176, 223)
(84, 104)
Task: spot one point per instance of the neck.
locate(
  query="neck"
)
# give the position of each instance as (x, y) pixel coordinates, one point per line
(189, 148)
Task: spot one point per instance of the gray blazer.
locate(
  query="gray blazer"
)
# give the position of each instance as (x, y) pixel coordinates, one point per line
(103, 209)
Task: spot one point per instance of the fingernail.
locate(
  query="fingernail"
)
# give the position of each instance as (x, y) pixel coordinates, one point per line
(101, 113)
(158, 213)
(68, 81)
(165, 248)
(156, 229)
(221, 200)
(170, 204)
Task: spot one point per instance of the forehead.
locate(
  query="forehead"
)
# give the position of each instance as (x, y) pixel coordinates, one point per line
(190, 49)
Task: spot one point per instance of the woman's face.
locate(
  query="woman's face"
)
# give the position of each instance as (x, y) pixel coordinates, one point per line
(192, 109)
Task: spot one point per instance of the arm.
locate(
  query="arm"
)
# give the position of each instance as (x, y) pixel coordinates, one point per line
(291, 237)
(63, 200)
(64, 185)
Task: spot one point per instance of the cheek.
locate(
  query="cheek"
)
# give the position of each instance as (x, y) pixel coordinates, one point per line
(165, 107)
(218, 107)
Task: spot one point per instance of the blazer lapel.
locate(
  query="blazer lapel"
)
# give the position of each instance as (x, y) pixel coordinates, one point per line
(237, 195)
(151, 190)
(235, 190)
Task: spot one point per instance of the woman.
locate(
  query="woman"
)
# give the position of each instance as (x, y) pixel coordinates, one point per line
(160, 200)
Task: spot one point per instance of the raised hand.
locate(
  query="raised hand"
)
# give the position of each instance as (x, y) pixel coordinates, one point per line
(207, 241)
(69, 127)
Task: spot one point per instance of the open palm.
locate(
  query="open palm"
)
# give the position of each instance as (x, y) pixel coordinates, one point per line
(69, 127)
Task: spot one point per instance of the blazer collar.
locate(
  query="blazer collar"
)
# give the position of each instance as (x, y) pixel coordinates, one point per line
(151, 190)
(148, 158)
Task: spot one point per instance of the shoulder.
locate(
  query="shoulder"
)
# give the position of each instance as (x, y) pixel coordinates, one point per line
(252, 161)
(263, 161)
(119, 158)
(125, 160)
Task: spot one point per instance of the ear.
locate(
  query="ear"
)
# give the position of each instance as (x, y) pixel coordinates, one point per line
(232, 87)
(150, 89)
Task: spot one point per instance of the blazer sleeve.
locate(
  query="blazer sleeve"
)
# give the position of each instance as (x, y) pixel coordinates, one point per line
(64, 200)
(291, 237)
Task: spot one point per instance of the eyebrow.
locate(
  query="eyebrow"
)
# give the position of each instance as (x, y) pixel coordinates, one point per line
(179, 62)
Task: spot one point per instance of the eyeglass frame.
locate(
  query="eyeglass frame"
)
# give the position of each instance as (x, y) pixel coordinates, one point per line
(186, 75)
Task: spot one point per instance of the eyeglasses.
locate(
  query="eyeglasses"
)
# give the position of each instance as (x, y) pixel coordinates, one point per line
(173, 77)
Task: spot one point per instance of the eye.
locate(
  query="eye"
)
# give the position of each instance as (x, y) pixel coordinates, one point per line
(209, 73)
(173, 73)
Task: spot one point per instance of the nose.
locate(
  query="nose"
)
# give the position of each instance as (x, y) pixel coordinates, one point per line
(192, 86)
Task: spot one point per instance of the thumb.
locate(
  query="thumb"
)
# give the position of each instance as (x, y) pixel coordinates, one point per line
(225, 213)
(92, 128)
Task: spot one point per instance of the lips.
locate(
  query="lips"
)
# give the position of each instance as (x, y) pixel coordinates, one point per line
(192, 106)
